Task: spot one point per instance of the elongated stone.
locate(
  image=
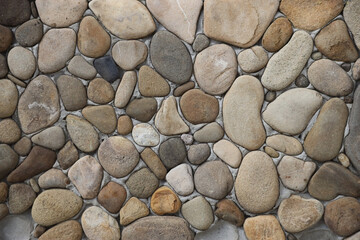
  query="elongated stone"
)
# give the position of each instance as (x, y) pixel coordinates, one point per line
(285, 144)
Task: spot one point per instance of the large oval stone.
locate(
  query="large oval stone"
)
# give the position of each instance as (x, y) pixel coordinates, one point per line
(150, 228)
(170, 57)
(263, 227)
(324, 140)
(285, 65)
(54, 206)
(39, 105)
(329, 78)
(257, 184)
(241, 111)
(118, 156)
(291, 111)
(215, 68)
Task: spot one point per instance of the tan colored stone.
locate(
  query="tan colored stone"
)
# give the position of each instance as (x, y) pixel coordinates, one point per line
(103, 117)
(124, 125)
(165, 201)
(70, 230)
(152, 84)
(271, 152)
(9, 96)
(125, 89)
(277, 34)
(211, 132)
(180, 90)
(9, 131)
(100, 91)
(52, 138)
(129, 54)
(133, 210)
(53, 178)
(285, 144)
(198, 213)
(81, 68)
(112, 196)
(344, 160)
(67, 156)
(228, 152)
(23, 146)
(263, 227)
(153, 161)
(253, 59)
(351, 16)
(21, 62)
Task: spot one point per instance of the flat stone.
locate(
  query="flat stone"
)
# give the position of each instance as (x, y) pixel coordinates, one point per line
(285, 144)
(54, 206)
(181, 180)
(55, 49)
(324, 140)
(103, 117)
(319, 234)
(142, 183)
(199, 107)
(142, 109)
(198, 153)
(52, 137)
(21, 197)
(263, 227)
(53, 178)
(39, 160)
(291, 112)
(21, 62)
(165, 201)
(344, 160)
(352, 139)
(211, 132)
(72, 92)
(200, 43)
(124, 125)
(86, 174)
(112, 197)
(6, 38)
(14, 12)
(271, 152)
(79, 67)
(153, 162)
(129, 54)
(125, 89)
(342, 216)
(170, 57)
(297, 214)
(285, 65)
(8, 159)
(241, 112)
(295, 173)
(219, 230)
(253, 59)
(118, 156)
(60, 13)
(3, 66)
(227, 210)
(145, 135)
(332, 180)
(23, 146)
(215, 68)
(4, 211)
(228, 152)
(29, 33)
(172, 152)
(133, 210)
(9, 131)
(213, 179)
(168, 120)
(351, 16)
(100, 91)
(257, 184)
(198, 213)
(9, 96)
(240, 23)
(68, 155)
(17, 81)
(70, 230)
(180, 18)
(152, 84)
(168, 227)
(277, 34)
(329, 78)
(82, 133)
(335, 43)
(311, 15)
(107, 68)
(180, 90)
(97, 224)
(92, 40)
(3, 192)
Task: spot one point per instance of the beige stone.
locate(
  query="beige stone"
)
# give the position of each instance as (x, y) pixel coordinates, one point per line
(253, 59)
(129, 54)
(103, 117)
(228, 152)
(285, 144)
(263, 227)
(125, 89)
(132, 210)
(152, 84)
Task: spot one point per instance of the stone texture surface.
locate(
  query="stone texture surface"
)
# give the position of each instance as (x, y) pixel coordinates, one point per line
(215, 68)
(132, 210)
(227, 210)
(67, 156)
(29, 33)
(172, 152)
(3, 192)
(9, 96)
(103, 117)
(180, 178)
(253, 59)
(72, 92)
(21, 62)
(52, 137)
(198, 213)
(228, 152)
(53, 178)
(23, 146)
(107, 68)
(112, 196)
(263, 227)
(152, 84)
(142, 183)
(165, 201)
(198, 153)
(125, 89)
(180, 90)
(21, 197)
(9, 131)
(200, 43)
(8, 159)
(124, 125)
(14, 12)
(153, 162)
(129, 54)
(211, 132)
(142, 109)
(70, 230)
(6, 38)
(351, 16)
(145, 135)
(277, 34)
(79, 67)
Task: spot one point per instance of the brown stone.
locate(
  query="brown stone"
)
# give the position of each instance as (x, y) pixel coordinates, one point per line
(4, 210)
(277, 34)
(3, 192)
(72, 92)
(21, 197)
(152, 84)
(227, 210)
(69, 230)
(132, 210)
(9, 131)
(165, 201)
(199, 107)
(124, 125)
(112, 197)
(263, 227)
(6, 37)
(8, 160)
(100, 91)
(68, 155)
(153, 161)
(180, 90)
(103, 117)
(39, 160)
(142, 109)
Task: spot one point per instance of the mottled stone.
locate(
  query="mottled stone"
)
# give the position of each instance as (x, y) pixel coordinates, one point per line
(9, 96)
(129, 54)
(39, 105)
(228, 152)
(200, 43)
(180, 90)
(39, 160)
(285, 144)
(21, 62)
(21, 197)
(125, 89)
(124, 125)
(142, 109)
(126, 19)
(227, 210)
(188, 139)
(253, 59)
(6, 38)
(34, 185)
(257, 184)
(355, 70)
(3, 192)
(9, 131)
(29, 33)
(79, 67)
(215, 68)
(180, 178)
(285, 65)
(302, 81)
(39, 230)
(263, 227)
(23, 146)
(52, 137)
(271, 152)
(8, 159)
(72, 92)
(277, 34)
(153, 162)
(112, 197)
(165, 201)
(53, 178)
(198, 153)
(198, 213)
(351, 16)
(14, 12)
(82, 133)
(118, 156)
(211, 132)
(103, 117)
(172, 152)
(241, 112)
(145, 135)
(70, 230)
(68, 155)
(133, 210)
(344, 160)
(4, 211)
(54, 206)
(142, 183)
(152, 84)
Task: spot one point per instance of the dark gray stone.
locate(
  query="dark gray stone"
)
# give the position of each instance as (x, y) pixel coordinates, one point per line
(29, 33)
(302, 81)
(3, 66)
(200, 43)
(14, 12)
(107, 68)
(172, 152)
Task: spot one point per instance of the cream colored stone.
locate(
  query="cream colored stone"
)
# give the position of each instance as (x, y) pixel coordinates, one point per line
(125, 89)
(129, 54)
(228, 152)
(285, 144)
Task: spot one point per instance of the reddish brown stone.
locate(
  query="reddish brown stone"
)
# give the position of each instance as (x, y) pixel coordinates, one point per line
(228, 211)
(112, 197)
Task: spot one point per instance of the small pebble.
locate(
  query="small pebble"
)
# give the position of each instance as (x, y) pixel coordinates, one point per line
(172, 152)
(29, 33)
(34, 185)
(316, 56)
(9, 131)
(270, 96)
(253, 59)
(142, 109)
(188, 139)
(145, 135)
(346, 66)
(142, 183)
(133, 210)
(302, 81)
(344, 160)
(228, 152)
(16, 81)
(34, 11)
(39, 230)
(53, 178)
(112, 196)
(3, 192)
(164, 201)
(227, 210)
(198, 153)
(68, 155)
(107, 68)
(211, 132)
(124, 125)
(79, 67)
(200, 43)
(180, 90)
(271, 152)
(72, 92)
(125, 89)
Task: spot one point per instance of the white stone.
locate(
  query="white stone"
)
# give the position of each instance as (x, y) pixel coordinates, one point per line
(145, 135)
(181, 179)
(228, 152)
(220, 230)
